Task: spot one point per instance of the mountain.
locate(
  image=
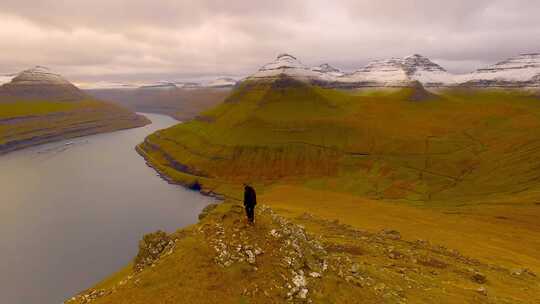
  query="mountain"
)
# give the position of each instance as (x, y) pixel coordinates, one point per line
(327, 69)
(159, 85)
(222, 82)
(288, 65)
(6, 78)
(346, 164)
(399, 72)
(519, 71)
(394, 72)
(38, 106)
(40, 83)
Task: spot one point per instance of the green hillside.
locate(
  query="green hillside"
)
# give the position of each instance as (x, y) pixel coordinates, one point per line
(343, 171)
(27, 122)
(460, 144)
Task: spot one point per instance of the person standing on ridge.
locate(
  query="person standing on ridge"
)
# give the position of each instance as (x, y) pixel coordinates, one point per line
(250, 200)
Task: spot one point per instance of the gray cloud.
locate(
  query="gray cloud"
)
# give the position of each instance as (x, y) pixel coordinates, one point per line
(152, 40)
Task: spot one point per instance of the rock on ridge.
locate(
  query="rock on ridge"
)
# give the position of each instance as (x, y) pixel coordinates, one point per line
(326, 68)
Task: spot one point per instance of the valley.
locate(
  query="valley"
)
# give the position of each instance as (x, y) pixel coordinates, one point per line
(450, 170)
(177, 102)
(269, 152)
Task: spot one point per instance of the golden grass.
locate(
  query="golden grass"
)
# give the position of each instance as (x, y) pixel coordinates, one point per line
(460, 171)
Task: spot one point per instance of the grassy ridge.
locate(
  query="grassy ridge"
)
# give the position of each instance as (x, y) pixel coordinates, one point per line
(464, 144)
(29, 122)
(338, 162)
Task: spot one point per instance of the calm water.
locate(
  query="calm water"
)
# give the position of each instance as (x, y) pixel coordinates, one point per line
(72, 214)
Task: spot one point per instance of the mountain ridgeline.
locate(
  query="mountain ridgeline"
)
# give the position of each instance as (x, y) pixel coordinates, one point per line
(395, 143)
(522, 71)
(330, 157)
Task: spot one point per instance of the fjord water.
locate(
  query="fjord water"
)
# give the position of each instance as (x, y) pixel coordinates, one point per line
(72, 212)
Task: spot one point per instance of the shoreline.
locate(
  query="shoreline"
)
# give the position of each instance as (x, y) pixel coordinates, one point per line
(17, 145)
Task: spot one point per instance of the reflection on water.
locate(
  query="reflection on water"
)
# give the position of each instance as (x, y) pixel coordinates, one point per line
(72, 212)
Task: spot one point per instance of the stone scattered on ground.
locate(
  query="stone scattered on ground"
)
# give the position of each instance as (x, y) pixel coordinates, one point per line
(289, 264)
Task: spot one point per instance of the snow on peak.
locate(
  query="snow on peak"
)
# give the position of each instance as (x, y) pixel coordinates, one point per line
(283, 61)
(521, 70)
(326, 68)
(160, 85)
(222, 82)
(39, 69)
(418, 62)
(39, 82)
(39, 75)
(401, 71)
(6, 78)
(284, 64)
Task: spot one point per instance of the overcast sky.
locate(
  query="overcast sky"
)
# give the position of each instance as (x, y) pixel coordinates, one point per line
(175, 39)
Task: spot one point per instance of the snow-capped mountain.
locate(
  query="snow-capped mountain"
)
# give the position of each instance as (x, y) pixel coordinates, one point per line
(106, 85)
(40, 82)
(6, 78)
(288, 65)
(164, 85)
(326, 68)
(222, 82)
(519, 71)
(400, 72)
(379, 73)
(285, 64)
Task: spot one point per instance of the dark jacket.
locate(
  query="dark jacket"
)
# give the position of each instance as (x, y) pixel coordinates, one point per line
(250, 198)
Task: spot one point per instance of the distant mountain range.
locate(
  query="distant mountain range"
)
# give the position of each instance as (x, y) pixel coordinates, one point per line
(220, 82)
(521, 71)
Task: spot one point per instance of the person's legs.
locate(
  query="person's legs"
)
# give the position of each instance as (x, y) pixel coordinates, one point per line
(247, 211)
(251, 214)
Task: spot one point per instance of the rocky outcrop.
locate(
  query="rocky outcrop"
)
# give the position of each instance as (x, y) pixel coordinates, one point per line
(278, 260)
(151, 247)
(326, 68)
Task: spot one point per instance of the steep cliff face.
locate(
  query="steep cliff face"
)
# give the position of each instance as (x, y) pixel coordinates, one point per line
(40, 83)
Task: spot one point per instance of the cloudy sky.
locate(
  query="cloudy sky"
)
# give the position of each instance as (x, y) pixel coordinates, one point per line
(148, 40)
